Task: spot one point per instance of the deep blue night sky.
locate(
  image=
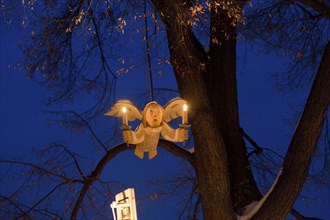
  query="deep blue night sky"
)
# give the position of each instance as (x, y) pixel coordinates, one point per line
(264, 115)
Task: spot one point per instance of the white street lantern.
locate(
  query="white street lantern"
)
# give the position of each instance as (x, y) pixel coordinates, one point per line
(124, 208)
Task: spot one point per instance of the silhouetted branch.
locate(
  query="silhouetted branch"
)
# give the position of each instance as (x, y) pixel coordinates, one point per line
(146, 28)
(317, 5)
(46, 196)
(15, 205)
(40, 169)
(299, 216)
(111, 153)
(74, 158)
(303, 143)
(176, 150)
(258, 150)
(21, 207)
(76, 121)
(90, 129)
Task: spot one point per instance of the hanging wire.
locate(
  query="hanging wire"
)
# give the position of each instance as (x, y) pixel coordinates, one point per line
(148, 51)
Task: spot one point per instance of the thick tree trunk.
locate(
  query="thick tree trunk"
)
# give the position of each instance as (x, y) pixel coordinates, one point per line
(210, 158)
(299, 155)
(222, 89)
(208, 82)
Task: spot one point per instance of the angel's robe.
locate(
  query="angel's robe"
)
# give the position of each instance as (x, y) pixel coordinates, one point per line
(146, 138)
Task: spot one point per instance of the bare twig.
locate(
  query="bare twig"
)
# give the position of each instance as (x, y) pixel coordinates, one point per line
(113, 152)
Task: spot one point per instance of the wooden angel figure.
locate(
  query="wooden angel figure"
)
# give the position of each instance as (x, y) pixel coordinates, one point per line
(155, 120)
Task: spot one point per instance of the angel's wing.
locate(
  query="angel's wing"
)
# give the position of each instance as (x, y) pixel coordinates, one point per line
(133, 112)
(174, 109)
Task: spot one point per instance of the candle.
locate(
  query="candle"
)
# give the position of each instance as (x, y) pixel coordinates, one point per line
(185, 114)
(125, 121)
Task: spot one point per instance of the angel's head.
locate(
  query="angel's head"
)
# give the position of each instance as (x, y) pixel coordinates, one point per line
(153, 115)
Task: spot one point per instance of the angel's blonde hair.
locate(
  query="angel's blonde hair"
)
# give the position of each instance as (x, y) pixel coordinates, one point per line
(153, 103)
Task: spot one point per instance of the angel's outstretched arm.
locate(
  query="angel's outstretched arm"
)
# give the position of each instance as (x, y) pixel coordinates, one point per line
(134, 137)
(174, 135)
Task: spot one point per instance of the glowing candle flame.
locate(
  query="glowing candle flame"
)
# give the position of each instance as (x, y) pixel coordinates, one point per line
(185, 114)
(125, 121)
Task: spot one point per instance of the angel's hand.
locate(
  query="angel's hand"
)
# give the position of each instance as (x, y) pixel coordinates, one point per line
(183, 134)
(128, 136)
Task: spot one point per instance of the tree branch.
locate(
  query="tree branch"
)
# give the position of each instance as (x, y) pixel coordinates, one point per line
(317, 5)
(176, 150)
(299, 216)
(17, 206)
(258, 150)
(96, 173)
(169, 146)
(302, 146)
(189, 60)
(43, 199)
(40, 169)
(90, 129)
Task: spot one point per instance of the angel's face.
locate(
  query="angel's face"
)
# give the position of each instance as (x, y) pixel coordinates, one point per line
(154, 116)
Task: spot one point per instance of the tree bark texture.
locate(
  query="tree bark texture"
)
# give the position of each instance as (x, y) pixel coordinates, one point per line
(301, 148)
(207, 80)
(188, 60)
(222, 91)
